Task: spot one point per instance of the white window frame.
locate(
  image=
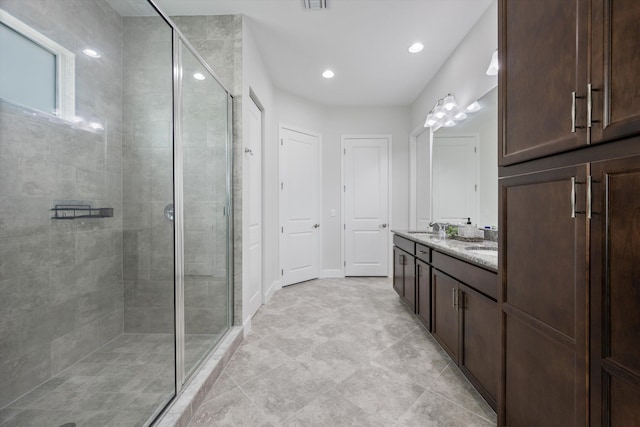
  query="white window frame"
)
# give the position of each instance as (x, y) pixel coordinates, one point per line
(65, 65)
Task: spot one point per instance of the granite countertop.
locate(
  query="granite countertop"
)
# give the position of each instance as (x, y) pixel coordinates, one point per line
(456, 248)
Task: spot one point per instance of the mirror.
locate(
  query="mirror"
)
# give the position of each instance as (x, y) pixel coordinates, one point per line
(465, 168)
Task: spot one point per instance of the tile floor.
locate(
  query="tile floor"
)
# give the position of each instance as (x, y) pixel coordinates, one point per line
(124, 383)
(341, 352)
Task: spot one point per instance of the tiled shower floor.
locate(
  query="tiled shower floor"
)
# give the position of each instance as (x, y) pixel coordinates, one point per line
(124, 383)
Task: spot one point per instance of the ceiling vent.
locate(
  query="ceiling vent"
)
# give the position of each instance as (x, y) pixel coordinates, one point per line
(315, 4)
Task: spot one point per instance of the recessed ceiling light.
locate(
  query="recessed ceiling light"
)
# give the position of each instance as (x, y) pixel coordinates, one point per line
(328, 74)
(91, 53)
(199, 76)
(416, 47)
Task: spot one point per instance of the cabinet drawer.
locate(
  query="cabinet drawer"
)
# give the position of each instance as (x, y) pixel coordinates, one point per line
(404, 244)
(423, 253)
(482, 280)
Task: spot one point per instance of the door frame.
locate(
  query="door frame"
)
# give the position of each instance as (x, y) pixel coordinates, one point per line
(389, 139)
(246, 322)
(413, 175)
(282, 126)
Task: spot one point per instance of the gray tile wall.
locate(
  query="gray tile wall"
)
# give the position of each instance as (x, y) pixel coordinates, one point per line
(218, 39)
(148, 176)
(61, 294)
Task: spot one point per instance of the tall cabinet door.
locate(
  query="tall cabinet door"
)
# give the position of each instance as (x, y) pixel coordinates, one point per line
(615, 293)
(536, 88)
(543, 298)
(444, 312)
(615, 66)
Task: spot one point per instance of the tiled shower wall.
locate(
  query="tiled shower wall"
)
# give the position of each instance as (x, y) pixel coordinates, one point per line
(218, 39)
(61, 281)
(148, 237)
(148, 175)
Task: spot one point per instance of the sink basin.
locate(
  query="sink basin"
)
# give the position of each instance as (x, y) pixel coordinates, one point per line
(483, 250)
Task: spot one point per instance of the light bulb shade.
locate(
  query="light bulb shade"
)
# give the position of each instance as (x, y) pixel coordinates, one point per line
(449, 123)
(460, 116)
(473, 107)
(449, 103)
(431, 120)
(493, 65)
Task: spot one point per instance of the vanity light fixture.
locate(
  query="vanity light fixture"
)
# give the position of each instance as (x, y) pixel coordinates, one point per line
(449, 103)
(447, 112)
(473, 107)
(91, 53)
(493, 65)
(416, 47)
(199, 76)
(328, 74)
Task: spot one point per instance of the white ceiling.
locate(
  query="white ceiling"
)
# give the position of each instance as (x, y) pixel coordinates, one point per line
(364, 41)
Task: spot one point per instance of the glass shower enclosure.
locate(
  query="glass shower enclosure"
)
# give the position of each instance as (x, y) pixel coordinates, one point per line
(115, 219)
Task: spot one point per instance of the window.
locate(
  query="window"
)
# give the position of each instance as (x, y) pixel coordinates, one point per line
(35, 71)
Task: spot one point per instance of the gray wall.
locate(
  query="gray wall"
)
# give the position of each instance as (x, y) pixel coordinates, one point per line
(148, 176)
(61, 291)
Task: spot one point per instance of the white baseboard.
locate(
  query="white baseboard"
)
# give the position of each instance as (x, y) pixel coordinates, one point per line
(246, 326)
(331, 274)
(271, 290)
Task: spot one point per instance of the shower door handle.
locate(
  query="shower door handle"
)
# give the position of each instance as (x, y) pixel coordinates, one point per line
(169, 212)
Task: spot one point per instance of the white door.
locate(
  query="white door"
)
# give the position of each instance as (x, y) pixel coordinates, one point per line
(366, 206)
(299, 205)
(423, 180)
(455, 172)
(253, 163)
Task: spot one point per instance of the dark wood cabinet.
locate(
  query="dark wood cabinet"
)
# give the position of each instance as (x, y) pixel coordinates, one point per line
(615, 66)
(570, 248)
(575, 86)
(445, 324)
(466, 324)
(543, 48)
(404, 276)
(423, 291)
(544, 298)
(615, 293)
(480, 342)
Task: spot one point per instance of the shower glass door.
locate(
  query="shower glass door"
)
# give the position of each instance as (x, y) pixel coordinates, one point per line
(204, 152)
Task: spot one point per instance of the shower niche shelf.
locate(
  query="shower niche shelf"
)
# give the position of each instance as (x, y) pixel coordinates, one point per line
(80, 211)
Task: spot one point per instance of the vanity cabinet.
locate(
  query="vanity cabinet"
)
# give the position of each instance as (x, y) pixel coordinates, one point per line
(423, 290)
(404, 276)
(575, 86)
(445, 323)
(466, 323)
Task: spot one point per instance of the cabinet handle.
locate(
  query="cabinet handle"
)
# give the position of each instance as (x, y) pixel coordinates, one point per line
(573, 197)
(574, 97)
(589, 105)
(402, 260)
(454, 298)
(573, 114)
(589, 197)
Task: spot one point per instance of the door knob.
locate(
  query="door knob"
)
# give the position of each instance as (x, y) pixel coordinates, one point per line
(316, 225)
(384, 226)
